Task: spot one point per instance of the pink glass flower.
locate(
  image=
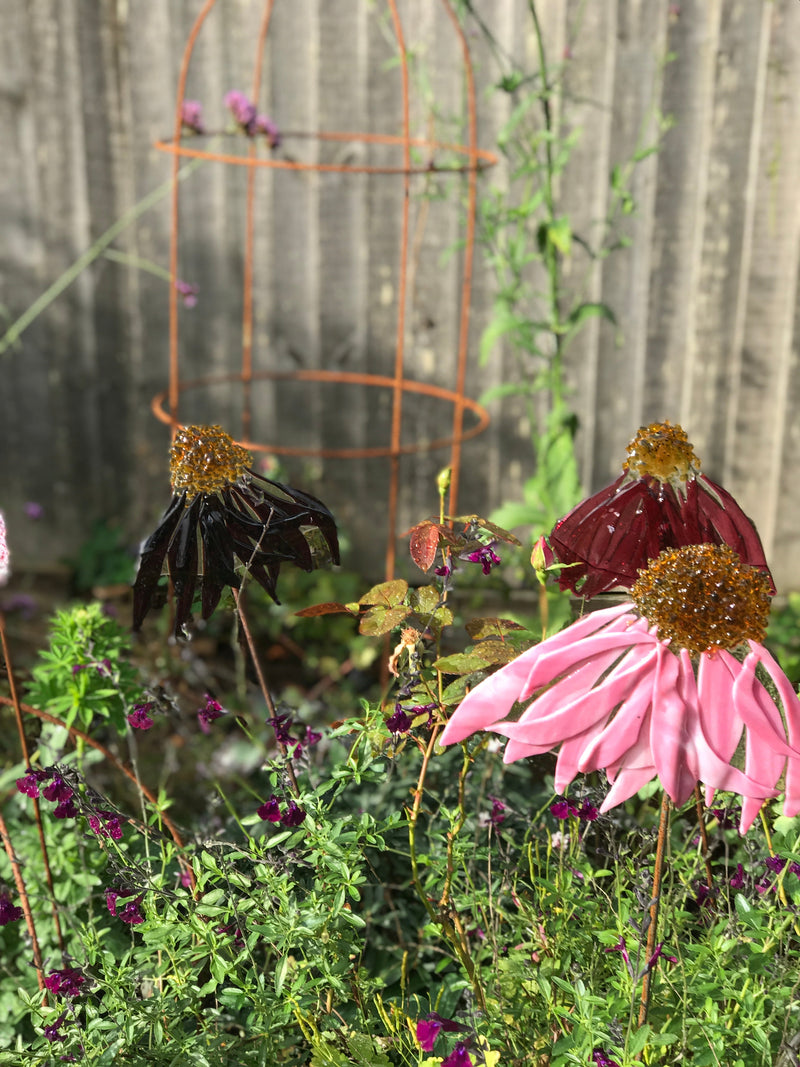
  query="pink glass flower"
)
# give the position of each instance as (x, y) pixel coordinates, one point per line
(651, 688)
(661, 500)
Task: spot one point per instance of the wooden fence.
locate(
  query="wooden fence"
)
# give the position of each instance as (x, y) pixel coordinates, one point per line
(703, 287)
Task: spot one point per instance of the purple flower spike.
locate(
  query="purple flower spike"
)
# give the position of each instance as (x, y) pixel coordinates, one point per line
(188, 292)
(562, 809)
(293, 816)
(737, 881)
(53, 1031)
(65, 983)
(399, 723)
(106, 824)
(601, 1059)
(485, 556)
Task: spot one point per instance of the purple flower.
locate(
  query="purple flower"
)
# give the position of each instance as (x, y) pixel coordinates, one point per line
(33, 510)
(496, 816)
(29, 784)
(9, 913)
(659, 952)
(600, 1059)
(562, 809)
(265, 125)
(704, 897)
(187, 879)
(23, 603)
(65, 810)
(311, 737)
(58, 791)
(65, 983)
(293, 815)
(621, 947)
(399, 723)
(775, 863)
(429, 1027)
(53, 1031)
(282, 724)
(131, 911)
(737, 881)
(140, 718)
(243, 111)
(188, 292)
(106, 824)
(192, 116)
(483, 555)
(270, 810)
(459, 1057)
(208, 713)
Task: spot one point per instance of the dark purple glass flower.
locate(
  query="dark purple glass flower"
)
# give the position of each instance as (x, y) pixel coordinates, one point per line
(222, 512)
(9, 913)
(660, 501)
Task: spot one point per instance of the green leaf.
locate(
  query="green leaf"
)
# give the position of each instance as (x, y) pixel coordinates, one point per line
(380, 620)
(387, 594)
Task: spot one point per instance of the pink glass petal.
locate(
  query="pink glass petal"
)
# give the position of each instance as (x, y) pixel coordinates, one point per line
(489, 701)
(626, 784)
(715, 679)
(669, 726)
(623, 732)
(791, 714)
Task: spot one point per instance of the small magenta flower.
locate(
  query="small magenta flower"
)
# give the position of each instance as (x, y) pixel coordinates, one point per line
(131, 910)
(399, 722)
(650, 688)
(29, 784)
(140, 718)
(106, 824)
(459, 1057)
(282, 724)
(660, 501)
(602, 1059)
(242, 109)
(188, 293)
(562, 809)
(53, 1030)
(428, 1029)
(737, 881)
(498, 813)
(622, 948)
(657, 955)
(65, 983)
(484, 555)
(270, 810)
(9, 913)
(192, 116)
(293, 816)
(33, 510)
(210, 711)
(58, 791)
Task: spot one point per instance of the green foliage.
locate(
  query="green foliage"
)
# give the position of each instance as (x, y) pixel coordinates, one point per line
(783, 637)
(85, 673)
(104, 559)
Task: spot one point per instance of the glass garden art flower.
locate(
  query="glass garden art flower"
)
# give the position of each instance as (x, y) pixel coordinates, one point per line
(661, 500)
(670, 684)
(223, 512)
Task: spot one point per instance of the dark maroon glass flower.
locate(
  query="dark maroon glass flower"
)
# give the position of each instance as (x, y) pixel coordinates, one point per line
(660, 501)
(224, 513)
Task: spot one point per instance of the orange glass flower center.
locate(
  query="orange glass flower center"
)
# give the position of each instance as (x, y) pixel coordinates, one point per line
(662, 451)
(205, 459)
(703, 598)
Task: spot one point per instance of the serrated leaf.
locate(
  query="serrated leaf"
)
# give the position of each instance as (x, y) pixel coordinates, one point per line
(381, 620)
(387, 594)
(483, 655)
(478, 629)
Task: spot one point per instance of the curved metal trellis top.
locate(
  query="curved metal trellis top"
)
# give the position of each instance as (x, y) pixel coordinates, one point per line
(460, 158)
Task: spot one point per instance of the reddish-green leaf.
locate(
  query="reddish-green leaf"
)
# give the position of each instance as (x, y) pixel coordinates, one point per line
(387, 594)
(330, 607)
(381, 620)
(478, 629)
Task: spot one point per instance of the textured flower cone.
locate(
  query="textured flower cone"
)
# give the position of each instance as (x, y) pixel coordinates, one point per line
(224, 513)
(660, 501)
(652, 689)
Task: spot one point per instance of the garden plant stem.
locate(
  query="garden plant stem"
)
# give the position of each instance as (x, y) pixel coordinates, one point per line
(652, 930)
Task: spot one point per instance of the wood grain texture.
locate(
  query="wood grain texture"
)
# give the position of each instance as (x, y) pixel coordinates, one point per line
(704, 293)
